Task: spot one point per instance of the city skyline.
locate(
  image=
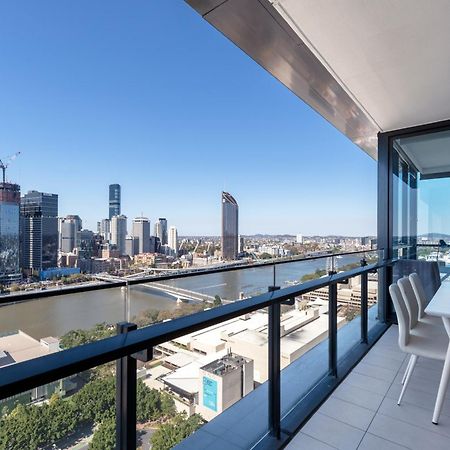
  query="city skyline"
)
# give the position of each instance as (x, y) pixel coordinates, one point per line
(88, 129)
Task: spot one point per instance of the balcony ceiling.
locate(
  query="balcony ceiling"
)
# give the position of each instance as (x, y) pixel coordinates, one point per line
(430, 153)
(366, 66)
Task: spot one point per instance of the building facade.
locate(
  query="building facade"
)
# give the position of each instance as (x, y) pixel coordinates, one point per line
(31, 237)
(48, 205)
(119, 232)
(141, 231)
(173, 239)
(114, 200)
(161, 230)
(9, 232)
(230, 228)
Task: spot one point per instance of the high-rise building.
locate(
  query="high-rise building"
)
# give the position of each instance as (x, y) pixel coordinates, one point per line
(105, 229)
(230, 232)
(48, 204)
(114, 200)
(173, 239)
(131, 246)
(299, 239)
(69, 229)
(31, 237)
(119, 232)
(141, 231)
(241, 244)
(9, 232)
(161, 230)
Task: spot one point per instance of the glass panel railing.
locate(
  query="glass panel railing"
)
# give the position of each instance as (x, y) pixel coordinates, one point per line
(213, 376)
(77, 412)
(72, 319)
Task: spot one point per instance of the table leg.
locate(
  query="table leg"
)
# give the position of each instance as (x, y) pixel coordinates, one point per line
(444, 377)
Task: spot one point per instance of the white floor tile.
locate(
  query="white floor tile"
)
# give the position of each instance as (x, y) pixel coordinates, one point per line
(332, 432)
(346, 412)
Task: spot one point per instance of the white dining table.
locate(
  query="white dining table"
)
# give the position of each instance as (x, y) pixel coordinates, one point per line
(439, 306)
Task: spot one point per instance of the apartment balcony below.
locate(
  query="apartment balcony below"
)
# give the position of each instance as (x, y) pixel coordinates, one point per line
(362, 413)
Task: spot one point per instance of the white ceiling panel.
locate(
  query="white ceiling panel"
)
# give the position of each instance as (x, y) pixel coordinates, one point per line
(391, 56)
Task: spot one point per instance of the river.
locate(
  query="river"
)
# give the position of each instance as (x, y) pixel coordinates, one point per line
(54, 316)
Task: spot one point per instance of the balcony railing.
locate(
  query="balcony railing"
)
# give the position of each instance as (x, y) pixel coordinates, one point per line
(131, 344)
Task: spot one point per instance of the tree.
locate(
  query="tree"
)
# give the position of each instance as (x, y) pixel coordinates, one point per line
(96, 400)
(265, 255)
(105, 436)
(167, 405)
(148, 403)
(172, 433)
(61, 418)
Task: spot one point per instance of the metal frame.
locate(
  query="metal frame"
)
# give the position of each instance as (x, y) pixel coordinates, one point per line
(131, 344)
(386, 205)
(14, 298)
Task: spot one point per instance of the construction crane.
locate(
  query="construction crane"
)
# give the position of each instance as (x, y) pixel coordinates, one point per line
(4, 165)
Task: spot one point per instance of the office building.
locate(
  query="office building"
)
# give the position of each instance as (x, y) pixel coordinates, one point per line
(88, 244)
(119, 232)
(48, 205)
(141, 231)
(299, 239)
(173, 240)
(155, 244)
(31, 237)
(114, 200)
(68, 234)
(160, 230)
(230, 233)
(105, 229)
(241, 244)
(224, 382)
(9, 232)
(131, 246)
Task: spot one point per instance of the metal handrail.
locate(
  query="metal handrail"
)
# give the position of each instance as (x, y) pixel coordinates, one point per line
(20, 297)
(33, 373)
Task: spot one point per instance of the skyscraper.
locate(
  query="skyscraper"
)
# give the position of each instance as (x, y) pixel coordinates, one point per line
(114, 200)
(48, 205)
(31, 237)
(9, 232)
(119, 232)
(230, 231)
(69, 228)
(141, 231)
(161, 230)
(173, 240)
(105, 229)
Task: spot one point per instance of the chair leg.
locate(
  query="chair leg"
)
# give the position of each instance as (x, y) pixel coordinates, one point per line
(408, 377)
(407, 370)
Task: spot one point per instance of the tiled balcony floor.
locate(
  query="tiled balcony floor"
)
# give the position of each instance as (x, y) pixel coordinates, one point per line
(363, 414)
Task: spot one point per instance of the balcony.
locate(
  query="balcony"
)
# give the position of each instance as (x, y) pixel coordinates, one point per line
(303, 354)
(380, 75)
(362, 413)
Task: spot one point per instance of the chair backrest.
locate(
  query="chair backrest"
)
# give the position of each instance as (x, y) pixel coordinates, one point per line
(402, 316)
(419, 291)
(410, 300)
(427, 270)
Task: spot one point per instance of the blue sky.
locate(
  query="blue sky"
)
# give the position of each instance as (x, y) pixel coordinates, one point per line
(148, 95)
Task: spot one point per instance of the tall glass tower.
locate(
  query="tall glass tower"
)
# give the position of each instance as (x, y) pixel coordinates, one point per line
(161, 230)
(114, 200)
(9, 232)
(230, 210)
(48, 206)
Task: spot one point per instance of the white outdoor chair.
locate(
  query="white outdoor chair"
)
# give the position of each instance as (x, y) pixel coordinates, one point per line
(409, 341)
(422, 300)
(422, 327)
